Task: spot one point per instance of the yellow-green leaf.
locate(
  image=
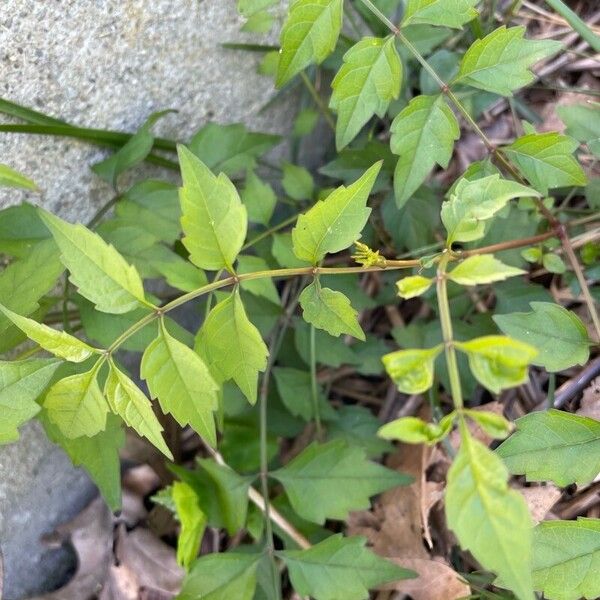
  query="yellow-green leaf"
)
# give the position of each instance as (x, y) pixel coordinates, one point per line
(483, 268)
(10, 178)
(192, 520)
(412, 370)
(447, 13)
(413, 286)
(412, 430)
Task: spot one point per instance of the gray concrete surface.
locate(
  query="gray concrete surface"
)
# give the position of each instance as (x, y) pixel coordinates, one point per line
(102, 63)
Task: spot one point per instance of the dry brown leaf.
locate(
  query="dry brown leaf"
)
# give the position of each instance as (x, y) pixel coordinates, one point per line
(121, 584)
(540, 499)
(590, 403)
(91, 534)
(436, 581)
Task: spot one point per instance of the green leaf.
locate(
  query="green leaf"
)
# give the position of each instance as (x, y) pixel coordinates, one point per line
(413, 430)
(329, 310)
(230, 149)
(583, 124)
(549, 445)
(259, 199)
(489, 519)
(21, 229)
(321, 470)
(223, 576)
(306, 121)
(483, 268)
(231, 346)
(423, 134)
(98, 455)
(21, 382)
(76, 405)
(192, 521)
(412, 370)
(10, 178)
(333, 224)
(567, 571)
(178, 377)
(59, 343)
(247, 8)
(498, 362)
(500, 62)
(474, 202)
(413, 286)
(308, 36)
(339, 567)
(365, 85)
(546, 160)
(297, 182)
(294, 387)
(214, 220)
(446, 13)
(180, 273)
(553, 263)
(494, 425)
(100, 273)
(557, 333)
(264, 288)
(129, 402)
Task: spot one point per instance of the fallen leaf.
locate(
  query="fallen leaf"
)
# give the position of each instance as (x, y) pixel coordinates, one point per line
(121, 584)
(540, 499)
(590, 402)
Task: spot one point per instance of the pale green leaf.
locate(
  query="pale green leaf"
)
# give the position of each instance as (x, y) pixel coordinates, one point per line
(365, 85)
(76, 405)
(59, 343)
(100, 273)
(321, 470)
(265, 287)
(247, 8)
(412, 370)
(553, 263)
(489, 519)
(297, 182)
(339, 567)
(21, 382)
(494, 425)
(566, 559)
(258, 198)
(260, 22)
(546, 160)
(447, 13)
(333, 224)
(306, 121)
(192, 521)
(308, 36)
(500, 62)
(129, 402)
(178, 377)
(329, 310)
(549, 446)
(98, 455)
(498, 362)
(180, 273)
(221, 576)
(10, 178)
(557, 333)
(232, 347)
(214, 220)
(474, 202)
(483, 268)
(423, 134)
(413, 430)
(583, 123)
(413, 286)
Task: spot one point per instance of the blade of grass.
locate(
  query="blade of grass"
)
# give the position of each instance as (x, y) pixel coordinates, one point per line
(576, 23)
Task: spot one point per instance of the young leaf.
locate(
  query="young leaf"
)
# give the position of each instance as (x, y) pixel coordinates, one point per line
(222, 576)
(567, 571)
(97, 269)
(192, 521)
(214, 220)
(557, 333)
(446, 13)
(483, 268)
(335, 223)
(549, 445)
(98, 455)
(553, 263)
(76, 405)
(494, 425)
(178, 377)
(329, 310)
(412, 370)
(232, 347)
(500, 62)
(308, 36)
(321, 470)
(21, 382)
(365, 85)
(259, 199)
(297, 182)
(129, 402)
(413, 430)
(339, 567)
(413, 286)
(423, 134)
(476, 201)
(59, 343)
(498, 362)
(10, 178)
(489, 519)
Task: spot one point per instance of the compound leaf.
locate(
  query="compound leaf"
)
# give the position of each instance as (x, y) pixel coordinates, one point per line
(411, 370)
(483, 268)
(548, 446)
(446, 13)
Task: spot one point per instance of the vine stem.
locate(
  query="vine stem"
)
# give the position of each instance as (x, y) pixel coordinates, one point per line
(318, 100)
(314, 390)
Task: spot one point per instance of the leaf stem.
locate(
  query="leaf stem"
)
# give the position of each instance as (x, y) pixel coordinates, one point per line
(318, 100)
(314, 390)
